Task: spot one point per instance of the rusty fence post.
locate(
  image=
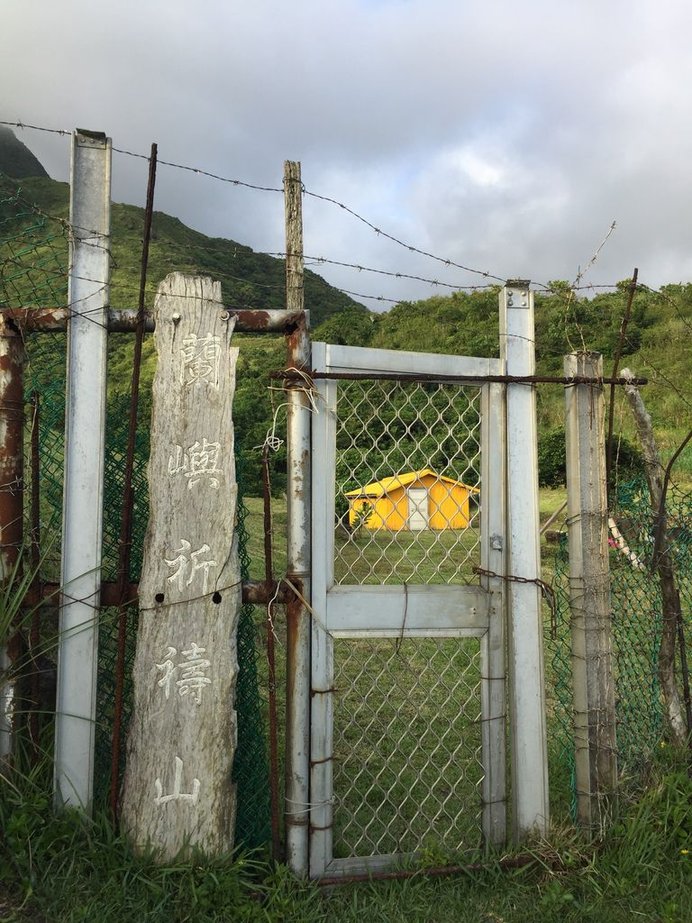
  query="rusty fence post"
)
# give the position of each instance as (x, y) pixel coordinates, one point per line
(298, 622)
(11, 513)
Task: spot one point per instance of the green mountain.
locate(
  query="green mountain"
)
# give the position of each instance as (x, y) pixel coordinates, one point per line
(33, 271)
(33, 262)
(16, 160)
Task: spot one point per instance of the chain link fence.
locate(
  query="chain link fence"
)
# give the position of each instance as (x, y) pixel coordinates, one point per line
(407, 710)
(33, 273)
(408, 769)
(636, 613)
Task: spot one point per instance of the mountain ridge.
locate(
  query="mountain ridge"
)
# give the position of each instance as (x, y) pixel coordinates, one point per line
(462, 323)
(16, 160)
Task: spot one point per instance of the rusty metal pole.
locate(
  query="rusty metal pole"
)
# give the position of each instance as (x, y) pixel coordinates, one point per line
(298, 622)
(271, 662)
(126, 514)
(11, 510)
(35, 591)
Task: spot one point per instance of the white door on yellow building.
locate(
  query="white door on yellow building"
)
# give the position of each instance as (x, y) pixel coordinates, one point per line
(417, 508)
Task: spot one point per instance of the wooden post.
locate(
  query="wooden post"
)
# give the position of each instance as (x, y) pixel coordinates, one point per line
(177, 791)
(592, 676)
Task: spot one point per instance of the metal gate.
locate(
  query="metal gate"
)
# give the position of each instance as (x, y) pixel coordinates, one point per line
(407, 744)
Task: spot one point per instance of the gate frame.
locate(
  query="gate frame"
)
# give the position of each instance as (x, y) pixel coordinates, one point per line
(486, 602)
(513, 582)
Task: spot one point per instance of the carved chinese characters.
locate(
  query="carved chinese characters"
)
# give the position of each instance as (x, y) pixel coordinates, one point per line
(177, 791)
(177, 794)
(189, 564)
(201, 356)
(199, 463)
(191, 670)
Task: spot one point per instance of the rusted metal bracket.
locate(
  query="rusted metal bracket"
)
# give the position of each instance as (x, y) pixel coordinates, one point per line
(248, 320)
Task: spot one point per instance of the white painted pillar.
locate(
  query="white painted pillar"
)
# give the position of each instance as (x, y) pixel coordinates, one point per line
(85, 419)
(526, 676)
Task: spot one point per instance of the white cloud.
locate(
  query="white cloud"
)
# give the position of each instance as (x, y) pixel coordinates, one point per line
(501, 135)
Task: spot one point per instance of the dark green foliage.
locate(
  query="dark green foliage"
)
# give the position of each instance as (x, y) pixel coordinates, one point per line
(462, 323)
(551, 459)
(348, 327)
(626, 459)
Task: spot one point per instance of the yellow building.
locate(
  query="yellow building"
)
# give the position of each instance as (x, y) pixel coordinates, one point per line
(414, 501)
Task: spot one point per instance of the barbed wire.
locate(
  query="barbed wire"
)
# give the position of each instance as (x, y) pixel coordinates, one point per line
(51, 131)
(320, 260)
(446, 261)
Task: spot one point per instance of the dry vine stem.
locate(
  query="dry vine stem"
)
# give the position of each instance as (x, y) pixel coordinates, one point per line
(663, 564)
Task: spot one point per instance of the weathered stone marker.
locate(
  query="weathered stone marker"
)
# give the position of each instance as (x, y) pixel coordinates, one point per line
(178, 792)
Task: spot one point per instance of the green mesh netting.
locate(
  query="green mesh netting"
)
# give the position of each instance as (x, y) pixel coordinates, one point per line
(33, 252)
(636, 623)
(45, 376)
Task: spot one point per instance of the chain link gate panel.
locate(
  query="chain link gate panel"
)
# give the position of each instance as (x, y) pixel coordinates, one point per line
(407, 730)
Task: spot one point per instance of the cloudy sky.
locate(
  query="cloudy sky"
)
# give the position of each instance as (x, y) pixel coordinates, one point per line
(502, 136)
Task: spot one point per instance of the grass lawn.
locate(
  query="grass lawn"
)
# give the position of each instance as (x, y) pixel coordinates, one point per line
(67, 868)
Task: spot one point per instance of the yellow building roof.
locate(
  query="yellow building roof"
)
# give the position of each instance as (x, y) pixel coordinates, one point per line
(384, 486)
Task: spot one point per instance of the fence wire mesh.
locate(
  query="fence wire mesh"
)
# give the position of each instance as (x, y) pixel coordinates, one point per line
(636, 613)
(408, 769)
(407, 762)
(33, 273)
(33, 250)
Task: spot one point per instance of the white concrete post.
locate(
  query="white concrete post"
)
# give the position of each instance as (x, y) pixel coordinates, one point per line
(526, 686)
(85, 418)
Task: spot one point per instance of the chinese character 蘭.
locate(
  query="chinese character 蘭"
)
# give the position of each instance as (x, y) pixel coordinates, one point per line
(201, 357)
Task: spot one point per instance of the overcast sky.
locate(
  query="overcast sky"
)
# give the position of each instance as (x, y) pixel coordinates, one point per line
(503, 136)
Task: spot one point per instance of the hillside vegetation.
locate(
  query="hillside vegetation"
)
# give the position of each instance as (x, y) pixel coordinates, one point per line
(656, 345)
